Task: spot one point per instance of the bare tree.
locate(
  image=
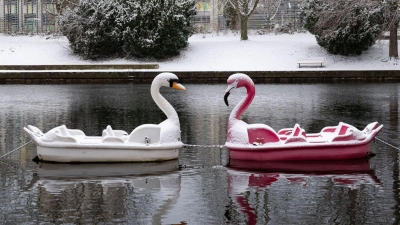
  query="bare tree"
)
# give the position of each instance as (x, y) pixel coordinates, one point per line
(268, 9)
(60, 5)
(391, 16)
(243, 9)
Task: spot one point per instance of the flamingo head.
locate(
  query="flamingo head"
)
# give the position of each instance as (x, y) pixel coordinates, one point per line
(168, 80)
(237, 80)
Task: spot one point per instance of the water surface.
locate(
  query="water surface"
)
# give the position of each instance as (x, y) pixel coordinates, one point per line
(203, 186)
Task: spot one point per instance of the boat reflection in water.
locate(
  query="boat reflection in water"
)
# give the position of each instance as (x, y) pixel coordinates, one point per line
(114, 192)
(252, 179)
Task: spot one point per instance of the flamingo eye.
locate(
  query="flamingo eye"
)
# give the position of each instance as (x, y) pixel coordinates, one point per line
(235, 83)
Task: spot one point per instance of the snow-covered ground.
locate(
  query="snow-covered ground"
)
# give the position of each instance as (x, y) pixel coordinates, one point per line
(210, 52)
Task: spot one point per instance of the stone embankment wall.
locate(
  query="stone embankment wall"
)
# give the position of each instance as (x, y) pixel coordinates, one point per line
(144, 73)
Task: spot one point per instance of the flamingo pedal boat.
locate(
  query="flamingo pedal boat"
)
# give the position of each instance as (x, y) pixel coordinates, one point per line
(262, 143)
(146, 143)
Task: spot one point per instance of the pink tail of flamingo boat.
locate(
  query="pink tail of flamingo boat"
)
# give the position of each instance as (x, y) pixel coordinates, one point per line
(262, 143)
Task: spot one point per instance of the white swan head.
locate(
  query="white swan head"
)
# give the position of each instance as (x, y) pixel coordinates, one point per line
(167, 80)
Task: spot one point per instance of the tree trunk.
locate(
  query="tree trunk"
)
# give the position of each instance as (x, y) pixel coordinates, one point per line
(393, 45)
(243, 28)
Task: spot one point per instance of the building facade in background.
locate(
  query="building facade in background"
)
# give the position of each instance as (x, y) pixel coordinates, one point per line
(28, 16)
(41, 16)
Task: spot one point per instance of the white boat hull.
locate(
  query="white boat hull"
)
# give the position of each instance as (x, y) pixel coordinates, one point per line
(66, 154)
(65, 145)
(146, 143)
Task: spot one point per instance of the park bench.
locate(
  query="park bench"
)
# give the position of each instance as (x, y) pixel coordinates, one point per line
(310, 62)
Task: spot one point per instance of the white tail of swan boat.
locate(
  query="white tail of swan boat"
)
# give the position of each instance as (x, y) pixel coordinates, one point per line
(262, 143)
(146, 143)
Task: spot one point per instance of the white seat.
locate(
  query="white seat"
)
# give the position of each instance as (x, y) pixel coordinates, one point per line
(110, 137)
(151, 131)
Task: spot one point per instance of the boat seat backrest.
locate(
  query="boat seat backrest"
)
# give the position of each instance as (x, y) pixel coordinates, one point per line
(343, 132)
(342, 129)
(261, 133)
(151, 131)
(63, 131)
(110, 137)
(60, 134)
(298, 135)
(109, 131)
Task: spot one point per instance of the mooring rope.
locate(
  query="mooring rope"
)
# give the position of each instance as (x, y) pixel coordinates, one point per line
(387, 143)
(204, 146)
(16, 149)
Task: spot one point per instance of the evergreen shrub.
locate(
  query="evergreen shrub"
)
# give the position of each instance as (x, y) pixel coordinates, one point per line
(343, 27)
(136, 28)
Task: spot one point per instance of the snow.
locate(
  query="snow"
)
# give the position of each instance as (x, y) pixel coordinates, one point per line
(208, 52)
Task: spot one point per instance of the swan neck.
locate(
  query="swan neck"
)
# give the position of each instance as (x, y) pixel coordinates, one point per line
(163, 104)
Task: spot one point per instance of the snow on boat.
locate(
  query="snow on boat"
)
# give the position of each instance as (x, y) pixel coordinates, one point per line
(146, 143)
(261, 142)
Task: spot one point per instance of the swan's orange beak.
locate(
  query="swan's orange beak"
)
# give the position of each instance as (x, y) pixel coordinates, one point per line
(178, 86)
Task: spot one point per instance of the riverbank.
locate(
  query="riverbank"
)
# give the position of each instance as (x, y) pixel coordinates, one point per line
(207, 52)
(209, 58)
(210, 77)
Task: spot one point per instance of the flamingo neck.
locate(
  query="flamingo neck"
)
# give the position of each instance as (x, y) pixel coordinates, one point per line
(164, 105)
(244, 103)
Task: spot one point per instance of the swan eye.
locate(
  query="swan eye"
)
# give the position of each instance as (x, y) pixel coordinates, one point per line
(172, 81)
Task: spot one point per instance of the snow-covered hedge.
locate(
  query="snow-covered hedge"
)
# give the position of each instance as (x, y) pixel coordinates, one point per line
(138, 28)
(159, 28)
(94, 28)
(341, 26)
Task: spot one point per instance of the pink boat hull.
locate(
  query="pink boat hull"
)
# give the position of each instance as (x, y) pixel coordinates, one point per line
(301, 153)
(327, 145)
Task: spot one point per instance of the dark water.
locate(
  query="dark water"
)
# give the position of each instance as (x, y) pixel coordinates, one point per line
(201, 187)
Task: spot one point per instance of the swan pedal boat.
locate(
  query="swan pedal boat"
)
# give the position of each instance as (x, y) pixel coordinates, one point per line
(146, 143)
(259, 142)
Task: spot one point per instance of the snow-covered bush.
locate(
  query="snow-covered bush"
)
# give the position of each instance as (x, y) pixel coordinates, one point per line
(158, 28)
(94, 28)
(140, 28)
(286, 28)
(341, 26)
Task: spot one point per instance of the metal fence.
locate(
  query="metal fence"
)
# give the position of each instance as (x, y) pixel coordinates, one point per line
(269, 14)
(40, 16)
